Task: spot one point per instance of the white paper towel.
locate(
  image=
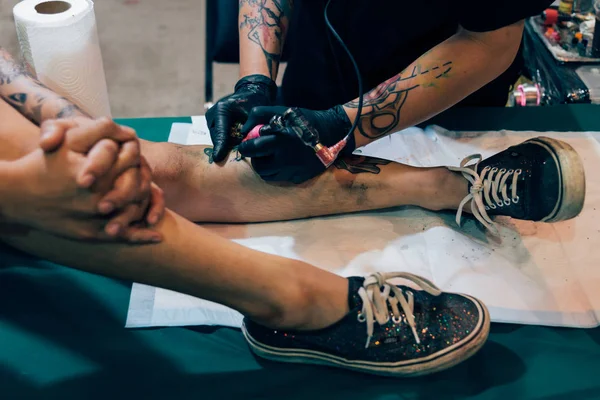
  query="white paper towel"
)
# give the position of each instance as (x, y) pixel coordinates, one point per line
(59, 42)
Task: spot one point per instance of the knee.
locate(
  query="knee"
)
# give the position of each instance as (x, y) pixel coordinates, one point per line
(165, 161)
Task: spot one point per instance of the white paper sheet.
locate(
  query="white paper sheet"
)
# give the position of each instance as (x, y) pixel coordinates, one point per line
(545, 274)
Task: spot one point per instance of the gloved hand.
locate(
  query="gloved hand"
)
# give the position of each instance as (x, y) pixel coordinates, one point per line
(250, 91)
(280, 155)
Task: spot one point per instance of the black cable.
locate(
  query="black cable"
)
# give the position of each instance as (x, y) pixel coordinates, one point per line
(340, 76)
(358, 76)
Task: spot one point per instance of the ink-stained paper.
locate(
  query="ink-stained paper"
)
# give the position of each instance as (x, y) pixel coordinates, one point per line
(542, 274)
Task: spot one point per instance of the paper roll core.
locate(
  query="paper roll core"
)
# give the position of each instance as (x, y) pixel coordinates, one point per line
(52, 7)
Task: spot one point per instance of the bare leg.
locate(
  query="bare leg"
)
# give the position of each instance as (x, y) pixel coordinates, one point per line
(200, 190)
(274, 291)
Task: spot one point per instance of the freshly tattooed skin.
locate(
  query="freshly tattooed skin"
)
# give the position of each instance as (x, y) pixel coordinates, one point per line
(353, 164)
(265, 23)
(29, 96)
(208, 152)
(382, 106)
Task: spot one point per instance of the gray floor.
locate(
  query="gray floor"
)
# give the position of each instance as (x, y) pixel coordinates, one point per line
(153, 53)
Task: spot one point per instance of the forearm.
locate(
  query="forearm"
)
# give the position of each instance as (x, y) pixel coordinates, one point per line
(29, 96)
(436, 81)
(263, 26)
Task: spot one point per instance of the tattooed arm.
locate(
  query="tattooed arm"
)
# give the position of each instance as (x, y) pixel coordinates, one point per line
(263, 26)
(436, 81)
(29, 96)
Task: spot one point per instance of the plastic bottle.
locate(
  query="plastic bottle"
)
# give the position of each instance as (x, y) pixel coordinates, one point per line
(565, 6)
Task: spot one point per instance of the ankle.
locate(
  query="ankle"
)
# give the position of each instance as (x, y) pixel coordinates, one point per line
(310, 299)
(444, 190)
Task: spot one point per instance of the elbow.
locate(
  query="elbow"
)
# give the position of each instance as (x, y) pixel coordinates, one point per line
(500, 46)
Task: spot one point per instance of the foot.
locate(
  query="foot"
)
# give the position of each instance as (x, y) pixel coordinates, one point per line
(390, 330)
(541, 179)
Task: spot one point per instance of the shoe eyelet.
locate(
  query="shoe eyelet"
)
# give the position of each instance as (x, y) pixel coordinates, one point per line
(502, 170)
(510, 171)
(487, 208)
(500, 204)
(361, 318)
(494, 169)
(396, 320)
(519, 171)
(515, 199)
(507, 202)
(493, 206)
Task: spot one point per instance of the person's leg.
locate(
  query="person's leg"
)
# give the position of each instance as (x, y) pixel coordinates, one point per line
(272, 290)
(202, 191)
(505, 184)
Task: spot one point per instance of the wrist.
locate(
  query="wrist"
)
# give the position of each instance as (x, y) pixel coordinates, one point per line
(258, 82)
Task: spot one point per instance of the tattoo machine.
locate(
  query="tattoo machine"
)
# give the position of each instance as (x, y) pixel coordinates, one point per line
(300, 125)
(293, 119)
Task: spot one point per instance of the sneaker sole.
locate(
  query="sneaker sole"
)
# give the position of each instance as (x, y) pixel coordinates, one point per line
(572, 179)
(429, 365)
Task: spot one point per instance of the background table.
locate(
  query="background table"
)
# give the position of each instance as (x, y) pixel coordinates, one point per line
(62, 335)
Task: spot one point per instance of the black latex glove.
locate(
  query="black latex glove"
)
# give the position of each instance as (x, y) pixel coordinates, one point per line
(280, 156)
(250, 91)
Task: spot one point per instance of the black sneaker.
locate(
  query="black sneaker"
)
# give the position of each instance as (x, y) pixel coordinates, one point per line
(541, 179)
(390, 330)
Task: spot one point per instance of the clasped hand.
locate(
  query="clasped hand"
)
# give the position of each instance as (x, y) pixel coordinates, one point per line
(87, 181)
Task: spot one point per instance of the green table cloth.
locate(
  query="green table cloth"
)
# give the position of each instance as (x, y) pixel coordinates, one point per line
(62, 335)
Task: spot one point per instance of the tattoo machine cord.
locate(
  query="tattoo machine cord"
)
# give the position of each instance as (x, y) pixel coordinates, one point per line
(302, 128)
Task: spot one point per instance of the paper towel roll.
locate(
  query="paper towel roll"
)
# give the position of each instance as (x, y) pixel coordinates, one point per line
(59, 42)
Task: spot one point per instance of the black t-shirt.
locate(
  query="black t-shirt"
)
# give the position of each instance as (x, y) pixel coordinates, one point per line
(385, 36)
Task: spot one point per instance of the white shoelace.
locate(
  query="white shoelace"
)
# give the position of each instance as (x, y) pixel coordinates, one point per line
(375, 295)
(489, 186)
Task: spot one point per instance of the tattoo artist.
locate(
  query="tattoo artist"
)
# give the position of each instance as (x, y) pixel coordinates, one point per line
(449, 53)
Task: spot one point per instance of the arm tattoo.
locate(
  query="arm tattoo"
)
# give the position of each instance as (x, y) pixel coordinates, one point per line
(383, 104)
(267, 25)
(29, 96)
(358, 164)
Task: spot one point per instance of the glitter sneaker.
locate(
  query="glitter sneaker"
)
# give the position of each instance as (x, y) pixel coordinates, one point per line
(541, 179)
(390, 330)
